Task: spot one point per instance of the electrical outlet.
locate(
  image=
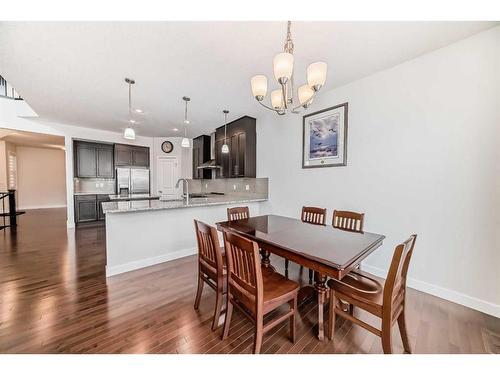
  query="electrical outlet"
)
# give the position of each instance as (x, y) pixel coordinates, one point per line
(206, 186)
(234, 187)
(247, 187)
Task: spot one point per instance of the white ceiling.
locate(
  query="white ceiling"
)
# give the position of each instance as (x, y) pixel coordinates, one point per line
(72, 72)
(30, 139)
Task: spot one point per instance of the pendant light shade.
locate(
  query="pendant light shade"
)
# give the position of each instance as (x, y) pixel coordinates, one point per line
(185, 142)
(225, 147)
(129, 133)
(259, 86)
(305, 94)
(277, 99)
(316, 74)
(283, 66)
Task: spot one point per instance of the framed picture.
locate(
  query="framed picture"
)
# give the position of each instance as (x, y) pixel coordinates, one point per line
(324, 138)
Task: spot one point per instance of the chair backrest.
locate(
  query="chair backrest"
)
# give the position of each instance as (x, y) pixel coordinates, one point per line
(244, 270)
(313, 215)
(209, 251)
(395, 283)
(237, 213)
(348, 220)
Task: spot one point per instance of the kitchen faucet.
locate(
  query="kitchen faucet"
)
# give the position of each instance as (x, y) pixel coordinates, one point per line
(187, 187)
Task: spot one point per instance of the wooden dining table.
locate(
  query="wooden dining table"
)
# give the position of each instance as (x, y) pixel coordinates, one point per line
(329, 251)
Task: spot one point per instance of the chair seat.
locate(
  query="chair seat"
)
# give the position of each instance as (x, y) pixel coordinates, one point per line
(360, 286)
(277, 287)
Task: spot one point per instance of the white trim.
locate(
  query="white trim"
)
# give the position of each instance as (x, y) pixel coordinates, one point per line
(41, 207)
(438, 291)
(130, 266)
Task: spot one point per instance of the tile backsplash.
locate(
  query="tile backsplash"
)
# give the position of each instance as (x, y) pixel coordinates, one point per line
(94, 185)
(243, 187)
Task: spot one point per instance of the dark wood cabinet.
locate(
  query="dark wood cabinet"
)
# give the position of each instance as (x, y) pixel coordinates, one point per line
(201, 154)
(131, 156)
(100, 199)
(93, 160)
(105, 165)
(85, 208)
(241, 139)
(89, 208)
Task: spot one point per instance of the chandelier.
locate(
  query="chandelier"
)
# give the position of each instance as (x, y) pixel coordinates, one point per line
(282, 99)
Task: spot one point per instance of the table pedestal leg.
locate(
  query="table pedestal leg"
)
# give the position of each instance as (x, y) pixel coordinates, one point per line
(266, 262)
(321, 289)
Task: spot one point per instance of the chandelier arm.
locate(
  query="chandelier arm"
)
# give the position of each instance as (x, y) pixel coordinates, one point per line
(284, 95)
(266, 106)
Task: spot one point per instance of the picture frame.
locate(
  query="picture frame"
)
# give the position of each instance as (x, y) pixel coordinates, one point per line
(324, 137)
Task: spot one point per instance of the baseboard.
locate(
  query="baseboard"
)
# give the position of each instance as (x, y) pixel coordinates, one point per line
(39, 207)
(447, 294)
(131, 266)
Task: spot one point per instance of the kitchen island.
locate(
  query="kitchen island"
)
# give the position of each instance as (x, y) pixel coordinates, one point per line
(142, 233)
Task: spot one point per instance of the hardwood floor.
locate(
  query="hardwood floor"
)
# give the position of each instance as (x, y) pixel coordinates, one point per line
(54, 298)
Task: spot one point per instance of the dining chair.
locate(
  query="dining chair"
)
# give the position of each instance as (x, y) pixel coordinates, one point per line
(211, 267)
(348, 220)
(311, 215)
(256, 290)
(387, 302)
(237, 213)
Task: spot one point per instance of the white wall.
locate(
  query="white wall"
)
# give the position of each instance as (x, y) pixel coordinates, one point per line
(41, 178)
(423, 157)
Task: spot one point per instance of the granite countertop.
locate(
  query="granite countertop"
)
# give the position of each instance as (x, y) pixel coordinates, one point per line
(118, 197)
(151, 205)
(96, 193)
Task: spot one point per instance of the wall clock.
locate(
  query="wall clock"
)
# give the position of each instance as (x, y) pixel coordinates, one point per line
(167, 147)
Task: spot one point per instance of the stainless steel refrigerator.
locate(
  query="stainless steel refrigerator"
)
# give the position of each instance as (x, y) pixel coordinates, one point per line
(132, 181)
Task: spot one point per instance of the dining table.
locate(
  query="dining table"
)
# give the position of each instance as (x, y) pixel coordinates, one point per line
(328, 251)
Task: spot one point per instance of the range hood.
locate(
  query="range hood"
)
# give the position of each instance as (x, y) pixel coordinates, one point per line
(211, 164)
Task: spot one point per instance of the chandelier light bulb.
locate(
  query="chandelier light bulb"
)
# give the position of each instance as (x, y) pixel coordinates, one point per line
(316, 75)
(305, 94)
(277, 99)
(259, 86)
(129, 134)
(283, 67)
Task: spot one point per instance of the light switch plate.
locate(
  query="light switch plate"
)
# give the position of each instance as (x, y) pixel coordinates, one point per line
(247, 187)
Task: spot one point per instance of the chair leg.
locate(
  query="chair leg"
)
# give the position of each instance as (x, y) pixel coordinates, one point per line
(293, 305)
(227, 321)
(403, 332)
(386, 337)
(259, 331)
(198, 293)
(311, 275)
(331, 315)
(218, 305)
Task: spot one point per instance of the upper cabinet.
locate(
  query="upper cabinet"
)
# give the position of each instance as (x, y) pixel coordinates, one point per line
(93, 160)
(241, 139)
(131, 156)
(201, 154)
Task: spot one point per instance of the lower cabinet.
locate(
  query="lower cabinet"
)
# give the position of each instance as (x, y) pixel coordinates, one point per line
(88, 208)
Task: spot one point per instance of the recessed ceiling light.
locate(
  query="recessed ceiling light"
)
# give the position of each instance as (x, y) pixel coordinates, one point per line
(175, 129)
(132, 121)
(139, 110)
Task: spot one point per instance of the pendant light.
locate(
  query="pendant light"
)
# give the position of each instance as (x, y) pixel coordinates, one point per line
(185, 141)
(129, 131)
(225, 147)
